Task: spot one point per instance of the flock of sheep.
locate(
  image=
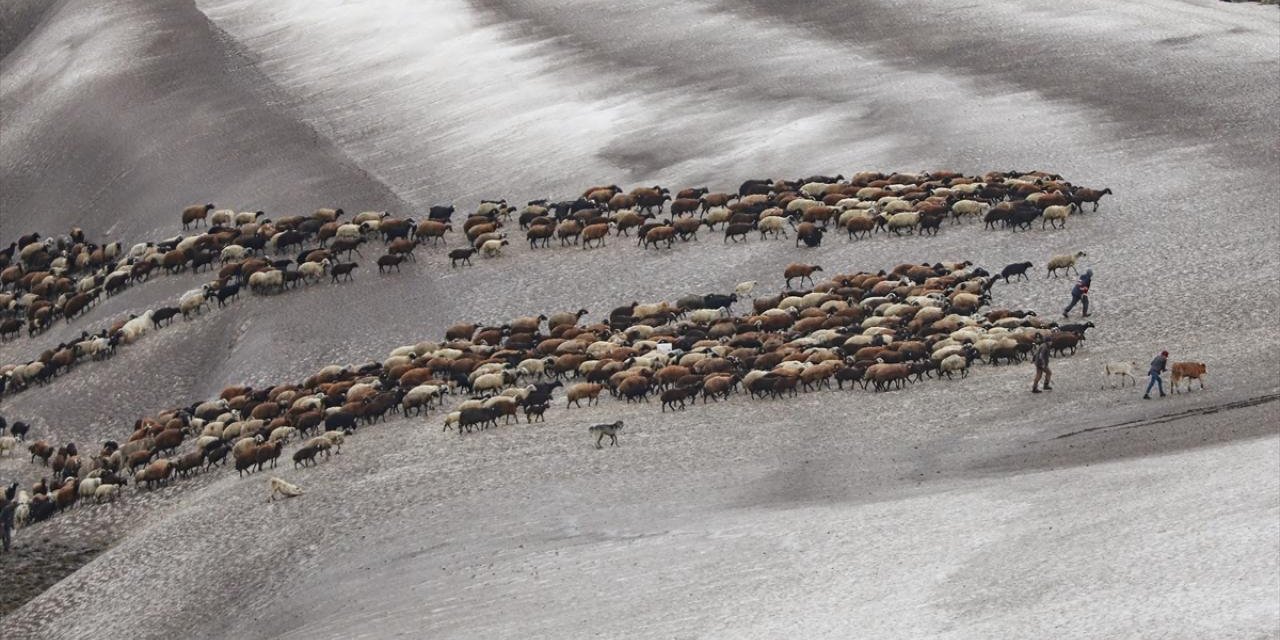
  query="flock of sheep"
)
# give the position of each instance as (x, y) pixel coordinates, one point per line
(44, 280)
(873, 331)
(876, 331)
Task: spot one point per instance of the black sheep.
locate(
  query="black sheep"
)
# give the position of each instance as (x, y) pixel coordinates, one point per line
(460, 255)
(440, 213)
(342, 269)
(1015, 269)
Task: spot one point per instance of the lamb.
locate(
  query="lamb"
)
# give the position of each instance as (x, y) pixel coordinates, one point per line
(1120, 370)
(602, 430)
(108, 492)
(493, 248)
(283, 488)
(1064, 263)
(9, 444)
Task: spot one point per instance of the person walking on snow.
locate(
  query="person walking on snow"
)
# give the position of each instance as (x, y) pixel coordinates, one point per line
(1080, 293)
(1040, 356)
(1157, 367)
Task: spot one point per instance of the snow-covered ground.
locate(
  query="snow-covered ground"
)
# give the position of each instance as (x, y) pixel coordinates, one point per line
(948, 510)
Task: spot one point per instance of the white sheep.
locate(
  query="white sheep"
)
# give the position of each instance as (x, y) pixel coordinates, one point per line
(744, 288)
(953, 363)
(136, 328)
(313, 271)
(776, 225)
(221, 217)
(1057, 215)
(903, 220)
(8, 443)
(1120, 370)
(89, 487)
(349, 231)
(970, 208)
(422, 396)
(533, 367)
(194, 300)
(108, 492)
(491, 382)
(246, 217)
(1064, 263)
(335, 438)
(282, 434)
(493, 248)
(451, 419)
(262, 282)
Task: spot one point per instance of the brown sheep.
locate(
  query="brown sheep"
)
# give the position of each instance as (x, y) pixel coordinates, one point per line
(589, 391)
(801, 271)
(433, 229)
(595, 233)
(196, 213)
(659, 234)
(41, 449)
(156, 473)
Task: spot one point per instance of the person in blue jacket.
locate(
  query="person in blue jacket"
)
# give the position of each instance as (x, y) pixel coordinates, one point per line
(1080, 294)
(1157, 367)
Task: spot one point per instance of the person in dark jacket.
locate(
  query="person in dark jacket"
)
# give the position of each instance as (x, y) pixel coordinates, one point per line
(1040, 356)
(1157, 367)
(1080, 294)
(7, 507)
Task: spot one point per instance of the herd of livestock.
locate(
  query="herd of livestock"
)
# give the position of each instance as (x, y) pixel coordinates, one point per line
(870, 331)
(44, 280)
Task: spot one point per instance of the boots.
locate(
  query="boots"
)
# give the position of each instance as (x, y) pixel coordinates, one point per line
(1036, 390)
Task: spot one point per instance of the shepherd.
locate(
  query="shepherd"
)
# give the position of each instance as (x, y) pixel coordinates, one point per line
(1080, 293)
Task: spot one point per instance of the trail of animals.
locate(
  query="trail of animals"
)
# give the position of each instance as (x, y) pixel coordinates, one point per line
(864, 332)
(43, 280)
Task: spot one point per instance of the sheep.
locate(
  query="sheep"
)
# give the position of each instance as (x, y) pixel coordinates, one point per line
(589, 391)
(451, 419)
(775, 225)
(1083, 195)
(971, 208)
(800, 271)
(1057, 215)
(1064, 263)
(387, 261)
(282, 434)
(89, 487)
(1015, 269)
(286, 489)
(602, 430)
(266, 281)
(421, 396)
(196, 214)
(306, 454)
(493, 248)
(341, 270)
(8, 444)
(1120, 370)
(108, 492)
(460, 256)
